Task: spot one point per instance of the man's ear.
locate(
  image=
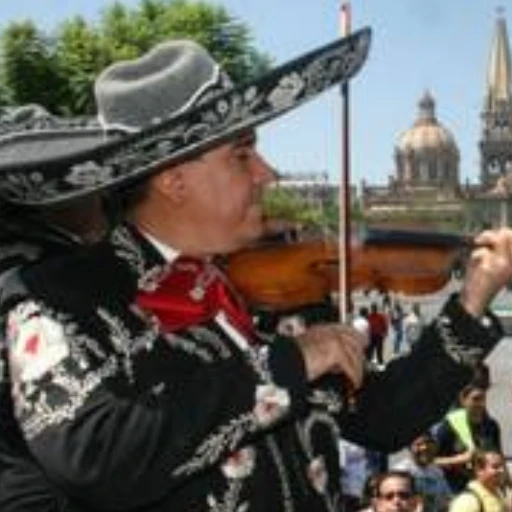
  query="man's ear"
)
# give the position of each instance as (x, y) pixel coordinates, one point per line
(170, 184)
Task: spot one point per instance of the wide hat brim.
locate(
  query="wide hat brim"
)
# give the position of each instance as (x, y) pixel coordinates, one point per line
(44, 164)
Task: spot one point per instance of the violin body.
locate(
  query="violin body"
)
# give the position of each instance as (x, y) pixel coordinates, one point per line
(291, 275)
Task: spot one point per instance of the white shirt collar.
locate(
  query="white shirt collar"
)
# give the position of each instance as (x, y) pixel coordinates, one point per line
(168, 253)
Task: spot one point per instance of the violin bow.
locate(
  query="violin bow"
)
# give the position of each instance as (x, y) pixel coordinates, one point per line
(344, 217)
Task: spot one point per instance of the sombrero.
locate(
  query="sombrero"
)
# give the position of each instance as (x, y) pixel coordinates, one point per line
(166, 106)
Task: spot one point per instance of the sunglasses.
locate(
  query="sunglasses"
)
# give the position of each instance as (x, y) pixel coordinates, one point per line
(402, 495)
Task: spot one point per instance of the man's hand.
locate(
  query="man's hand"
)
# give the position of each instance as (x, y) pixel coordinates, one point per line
(333, 348)
(488, 270)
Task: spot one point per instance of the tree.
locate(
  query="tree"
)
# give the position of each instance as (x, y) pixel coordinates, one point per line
(81, 55)
(286, 204)
(58, 71)
(30, 71)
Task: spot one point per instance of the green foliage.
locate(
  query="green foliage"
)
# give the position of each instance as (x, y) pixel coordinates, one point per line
(81, 55)
(30, 71)
(286, 204)
(58, 71)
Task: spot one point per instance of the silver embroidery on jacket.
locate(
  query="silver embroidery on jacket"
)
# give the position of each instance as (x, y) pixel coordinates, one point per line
(59, 387)
(452, 345)
(209, 337)
(236, 469)
(317, 470)
(230, 501)
(282, 473)
(127, 248)
(327, 399)
(226, 439)
(188, 346)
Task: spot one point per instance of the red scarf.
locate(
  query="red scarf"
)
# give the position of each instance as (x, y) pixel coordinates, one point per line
(193, 293)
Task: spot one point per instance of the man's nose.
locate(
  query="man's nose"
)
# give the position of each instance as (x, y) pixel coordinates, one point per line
(263, 172)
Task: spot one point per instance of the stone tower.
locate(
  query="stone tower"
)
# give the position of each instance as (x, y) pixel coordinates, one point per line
(496, 136)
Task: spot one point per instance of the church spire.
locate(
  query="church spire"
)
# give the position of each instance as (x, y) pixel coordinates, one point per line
(499, 74)
(496, 138)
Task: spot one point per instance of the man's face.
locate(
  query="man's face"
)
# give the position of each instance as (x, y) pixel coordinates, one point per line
(491, 475)
(423, 450)
(394, 495)
(225, 194)
(474, 401)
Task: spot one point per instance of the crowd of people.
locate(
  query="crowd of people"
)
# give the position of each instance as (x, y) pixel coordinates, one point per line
(388, 321)
(457, 465)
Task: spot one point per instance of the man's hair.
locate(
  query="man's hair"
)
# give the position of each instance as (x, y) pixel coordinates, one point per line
(425, 436)
(481, 376)
(475, 385)
(479, 458)
(394, 473)
(127, 198)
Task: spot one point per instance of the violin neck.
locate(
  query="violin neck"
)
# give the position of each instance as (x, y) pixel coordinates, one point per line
(417, 238)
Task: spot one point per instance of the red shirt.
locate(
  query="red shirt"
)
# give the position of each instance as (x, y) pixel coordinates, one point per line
(378, 324)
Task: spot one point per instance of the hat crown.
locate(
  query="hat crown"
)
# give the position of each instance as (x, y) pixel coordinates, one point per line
(170, 79)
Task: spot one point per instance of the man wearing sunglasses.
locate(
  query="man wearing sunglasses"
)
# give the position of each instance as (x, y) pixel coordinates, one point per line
(395, 492)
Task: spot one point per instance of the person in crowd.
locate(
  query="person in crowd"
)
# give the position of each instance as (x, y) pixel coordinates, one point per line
(412, 325)
(486, 491)
(358, 464)
(463, 430)
(397, 322)
(369, 493)
(431, 485)
(378, 331)
(395, 492)
(355, 472)
(138, 380)
(360, 322)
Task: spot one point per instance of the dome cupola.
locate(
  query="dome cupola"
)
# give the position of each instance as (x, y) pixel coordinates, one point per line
(427, 154)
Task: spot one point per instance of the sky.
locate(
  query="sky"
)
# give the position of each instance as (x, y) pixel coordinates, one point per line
(439, 45)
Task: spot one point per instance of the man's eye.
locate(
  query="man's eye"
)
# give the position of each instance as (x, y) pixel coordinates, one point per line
(243, 154)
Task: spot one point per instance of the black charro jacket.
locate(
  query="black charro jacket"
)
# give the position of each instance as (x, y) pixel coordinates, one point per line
(110, 413)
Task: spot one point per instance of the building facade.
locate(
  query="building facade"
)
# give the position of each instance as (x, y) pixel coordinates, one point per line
(425, 189)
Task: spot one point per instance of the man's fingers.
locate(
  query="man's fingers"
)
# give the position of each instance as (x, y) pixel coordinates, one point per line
(332, 348)
(489, 269)
(351, 360)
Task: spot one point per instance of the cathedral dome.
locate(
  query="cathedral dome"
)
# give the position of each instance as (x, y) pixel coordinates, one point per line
(427, 134)
(426, 155)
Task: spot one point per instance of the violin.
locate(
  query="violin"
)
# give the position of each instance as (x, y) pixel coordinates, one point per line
(291, 275)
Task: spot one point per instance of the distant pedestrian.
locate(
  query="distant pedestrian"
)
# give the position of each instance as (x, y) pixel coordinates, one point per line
(361, 323)
(397, 322)
(378, 332)
(412, 325)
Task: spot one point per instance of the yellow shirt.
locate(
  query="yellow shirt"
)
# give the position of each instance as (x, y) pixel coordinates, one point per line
(467, 502)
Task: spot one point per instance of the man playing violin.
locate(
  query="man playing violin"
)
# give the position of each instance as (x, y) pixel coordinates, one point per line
(137, 378)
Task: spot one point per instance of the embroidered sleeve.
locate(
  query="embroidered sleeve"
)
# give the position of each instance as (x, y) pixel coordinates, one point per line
(415, 391)
(91, 405)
